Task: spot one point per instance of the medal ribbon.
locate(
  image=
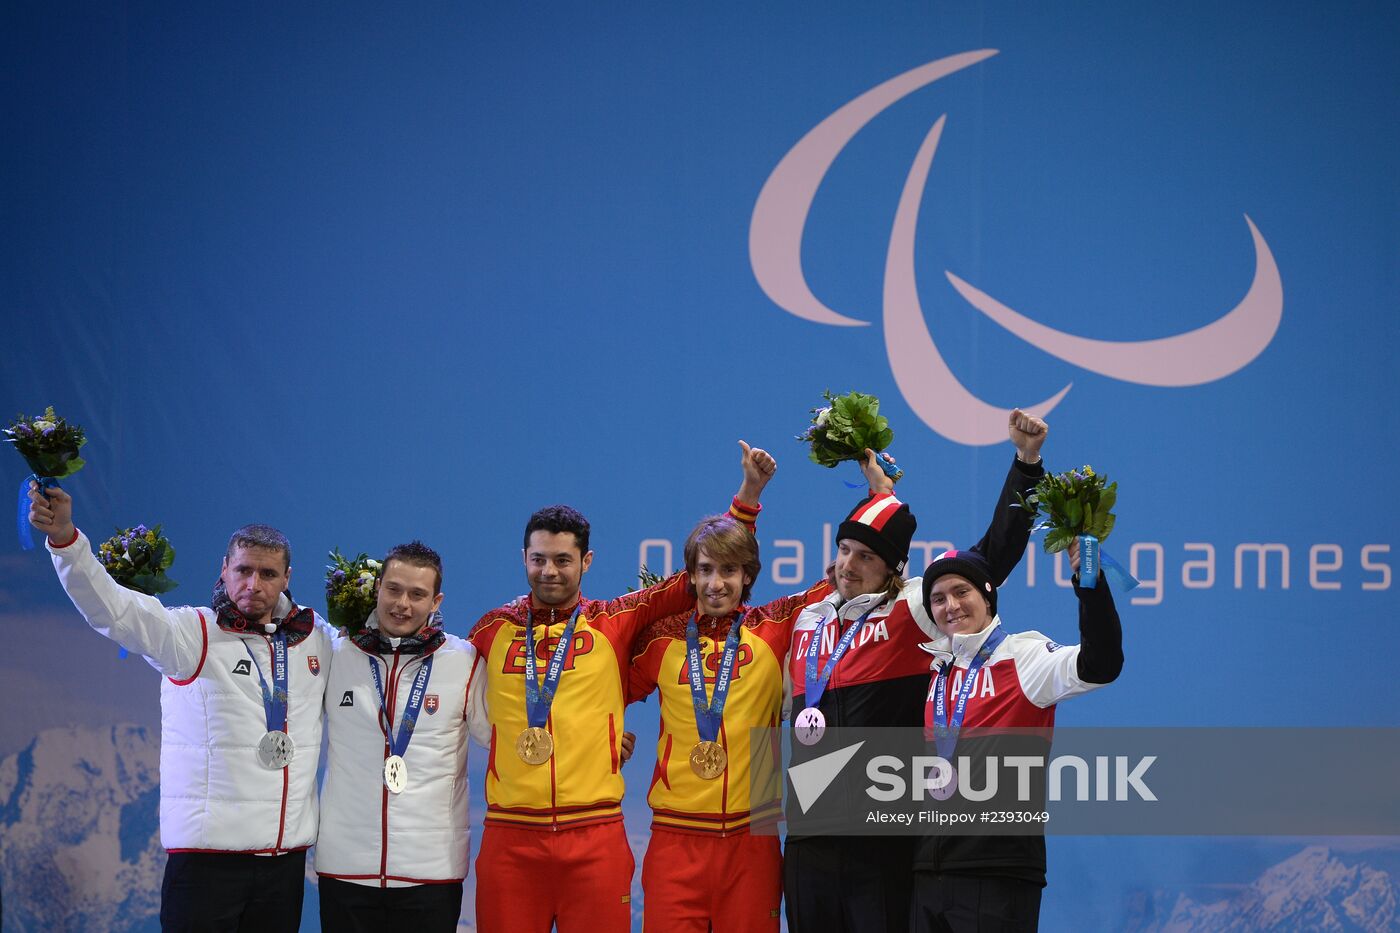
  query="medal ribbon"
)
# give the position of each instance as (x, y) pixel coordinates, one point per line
(945, 732)
(398, 743)
(708, 716)
(540, 697)
(816, 683)
(275, 700)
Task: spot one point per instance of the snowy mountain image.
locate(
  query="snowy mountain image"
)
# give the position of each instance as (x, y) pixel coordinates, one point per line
(1313, 890)
(79, 839)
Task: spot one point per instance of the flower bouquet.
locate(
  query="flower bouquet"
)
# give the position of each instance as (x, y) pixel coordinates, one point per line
(49, 445)
(646, 577)
(350, 590)
(1075, 504)
(138, 558)
(843, 430)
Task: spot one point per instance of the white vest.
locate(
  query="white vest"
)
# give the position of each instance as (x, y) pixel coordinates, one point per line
(371, 836)
(214, 794)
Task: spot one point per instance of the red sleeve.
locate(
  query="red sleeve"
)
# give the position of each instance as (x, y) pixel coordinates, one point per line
(646, 665)
(744, 513)
(623, 618)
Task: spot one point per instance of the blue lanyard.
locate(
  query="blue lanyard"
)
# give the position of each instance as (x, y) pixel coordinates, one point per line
(816, 683)
(540, 697)
(398, 744)
(945, 732)
(709, 715)
(274, 700)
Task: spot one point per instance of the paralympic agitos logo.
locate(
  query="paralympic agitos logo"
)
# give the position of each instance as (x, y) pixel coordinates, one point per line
(1205, 354)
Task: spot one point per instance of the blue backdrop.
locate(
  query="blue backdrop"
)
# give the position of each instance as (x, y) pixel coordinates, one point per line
(371, 274)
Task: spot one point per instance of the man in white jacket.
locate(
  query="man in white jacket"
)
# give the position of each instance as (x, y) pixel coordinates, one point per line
(241, 706)
(393, 849)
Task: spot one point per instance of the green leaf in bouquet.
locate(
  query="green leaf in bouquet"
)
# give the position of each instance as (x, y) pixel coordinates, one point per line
(1105, 525)
(66, 465)
(1074, 514)
(152, 584)
(1108, 496)
(646, 577)
(1058, 539)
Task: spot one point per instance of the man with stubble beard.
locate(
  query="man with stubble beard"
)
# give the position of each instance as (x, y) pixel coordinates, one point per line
(240, 713)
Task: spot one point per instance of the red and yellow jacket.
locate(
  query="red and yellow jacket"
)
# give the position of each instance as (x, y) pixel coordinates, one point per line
(581, 783)
(680, 799)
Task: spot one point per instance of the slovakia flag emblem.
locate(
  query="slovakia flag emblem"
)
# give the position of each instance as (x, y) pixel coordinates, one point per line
(430, 703)
(314, 663)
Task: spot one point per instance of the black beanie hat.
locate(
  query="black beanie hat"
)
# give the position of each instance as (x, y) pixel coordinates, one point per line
(885, 525)
(969, 564)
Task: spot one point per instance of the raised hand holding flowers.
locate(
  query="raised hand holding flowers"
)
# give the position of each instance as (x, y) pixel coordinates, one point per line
(350, 590)
(846, 428)
(1076, 504)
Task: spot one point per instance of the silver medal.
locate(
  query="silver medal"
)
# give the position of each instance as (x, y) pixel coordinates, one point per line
(809, 726)
(395, 774)
(276, 750)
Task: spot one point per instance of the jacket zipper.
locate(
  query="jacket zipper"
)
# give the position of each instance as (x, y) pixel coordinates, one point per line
(391, 699)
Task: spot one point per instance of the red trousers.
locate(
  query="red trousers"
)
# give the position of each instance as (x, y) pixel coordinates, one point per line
(732, 884)
(527, 880)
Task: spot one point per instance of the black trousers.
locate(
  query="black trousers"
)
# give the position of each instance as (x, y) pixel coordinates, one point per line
(360, 908)
(215, 892)
(848, 884)
(972, 904)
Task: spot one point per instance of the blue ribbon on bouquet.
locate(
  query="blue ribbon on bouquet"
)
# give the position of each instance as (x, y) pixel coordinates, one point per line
(1092, 558)
(26, 538)
(892, 471)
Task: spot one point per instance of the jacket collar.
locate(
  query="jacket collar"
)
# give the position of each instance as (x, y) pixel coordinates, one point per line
(962, 647)
(552, 615)
(425, 641)
(296, 621)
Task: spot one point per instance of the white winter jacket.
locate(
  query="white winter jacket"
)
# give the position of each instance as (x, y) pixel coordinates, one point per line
(368, 835)
(214, 794)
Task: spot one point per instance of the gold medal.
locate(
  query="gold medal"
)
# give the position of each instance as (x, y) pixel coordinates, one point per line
(534, 746)
(708, 760)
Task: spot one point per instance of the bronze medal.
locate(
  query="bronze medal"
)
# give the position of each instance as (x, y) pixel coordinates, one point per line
(708, 760)
(535, 745)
